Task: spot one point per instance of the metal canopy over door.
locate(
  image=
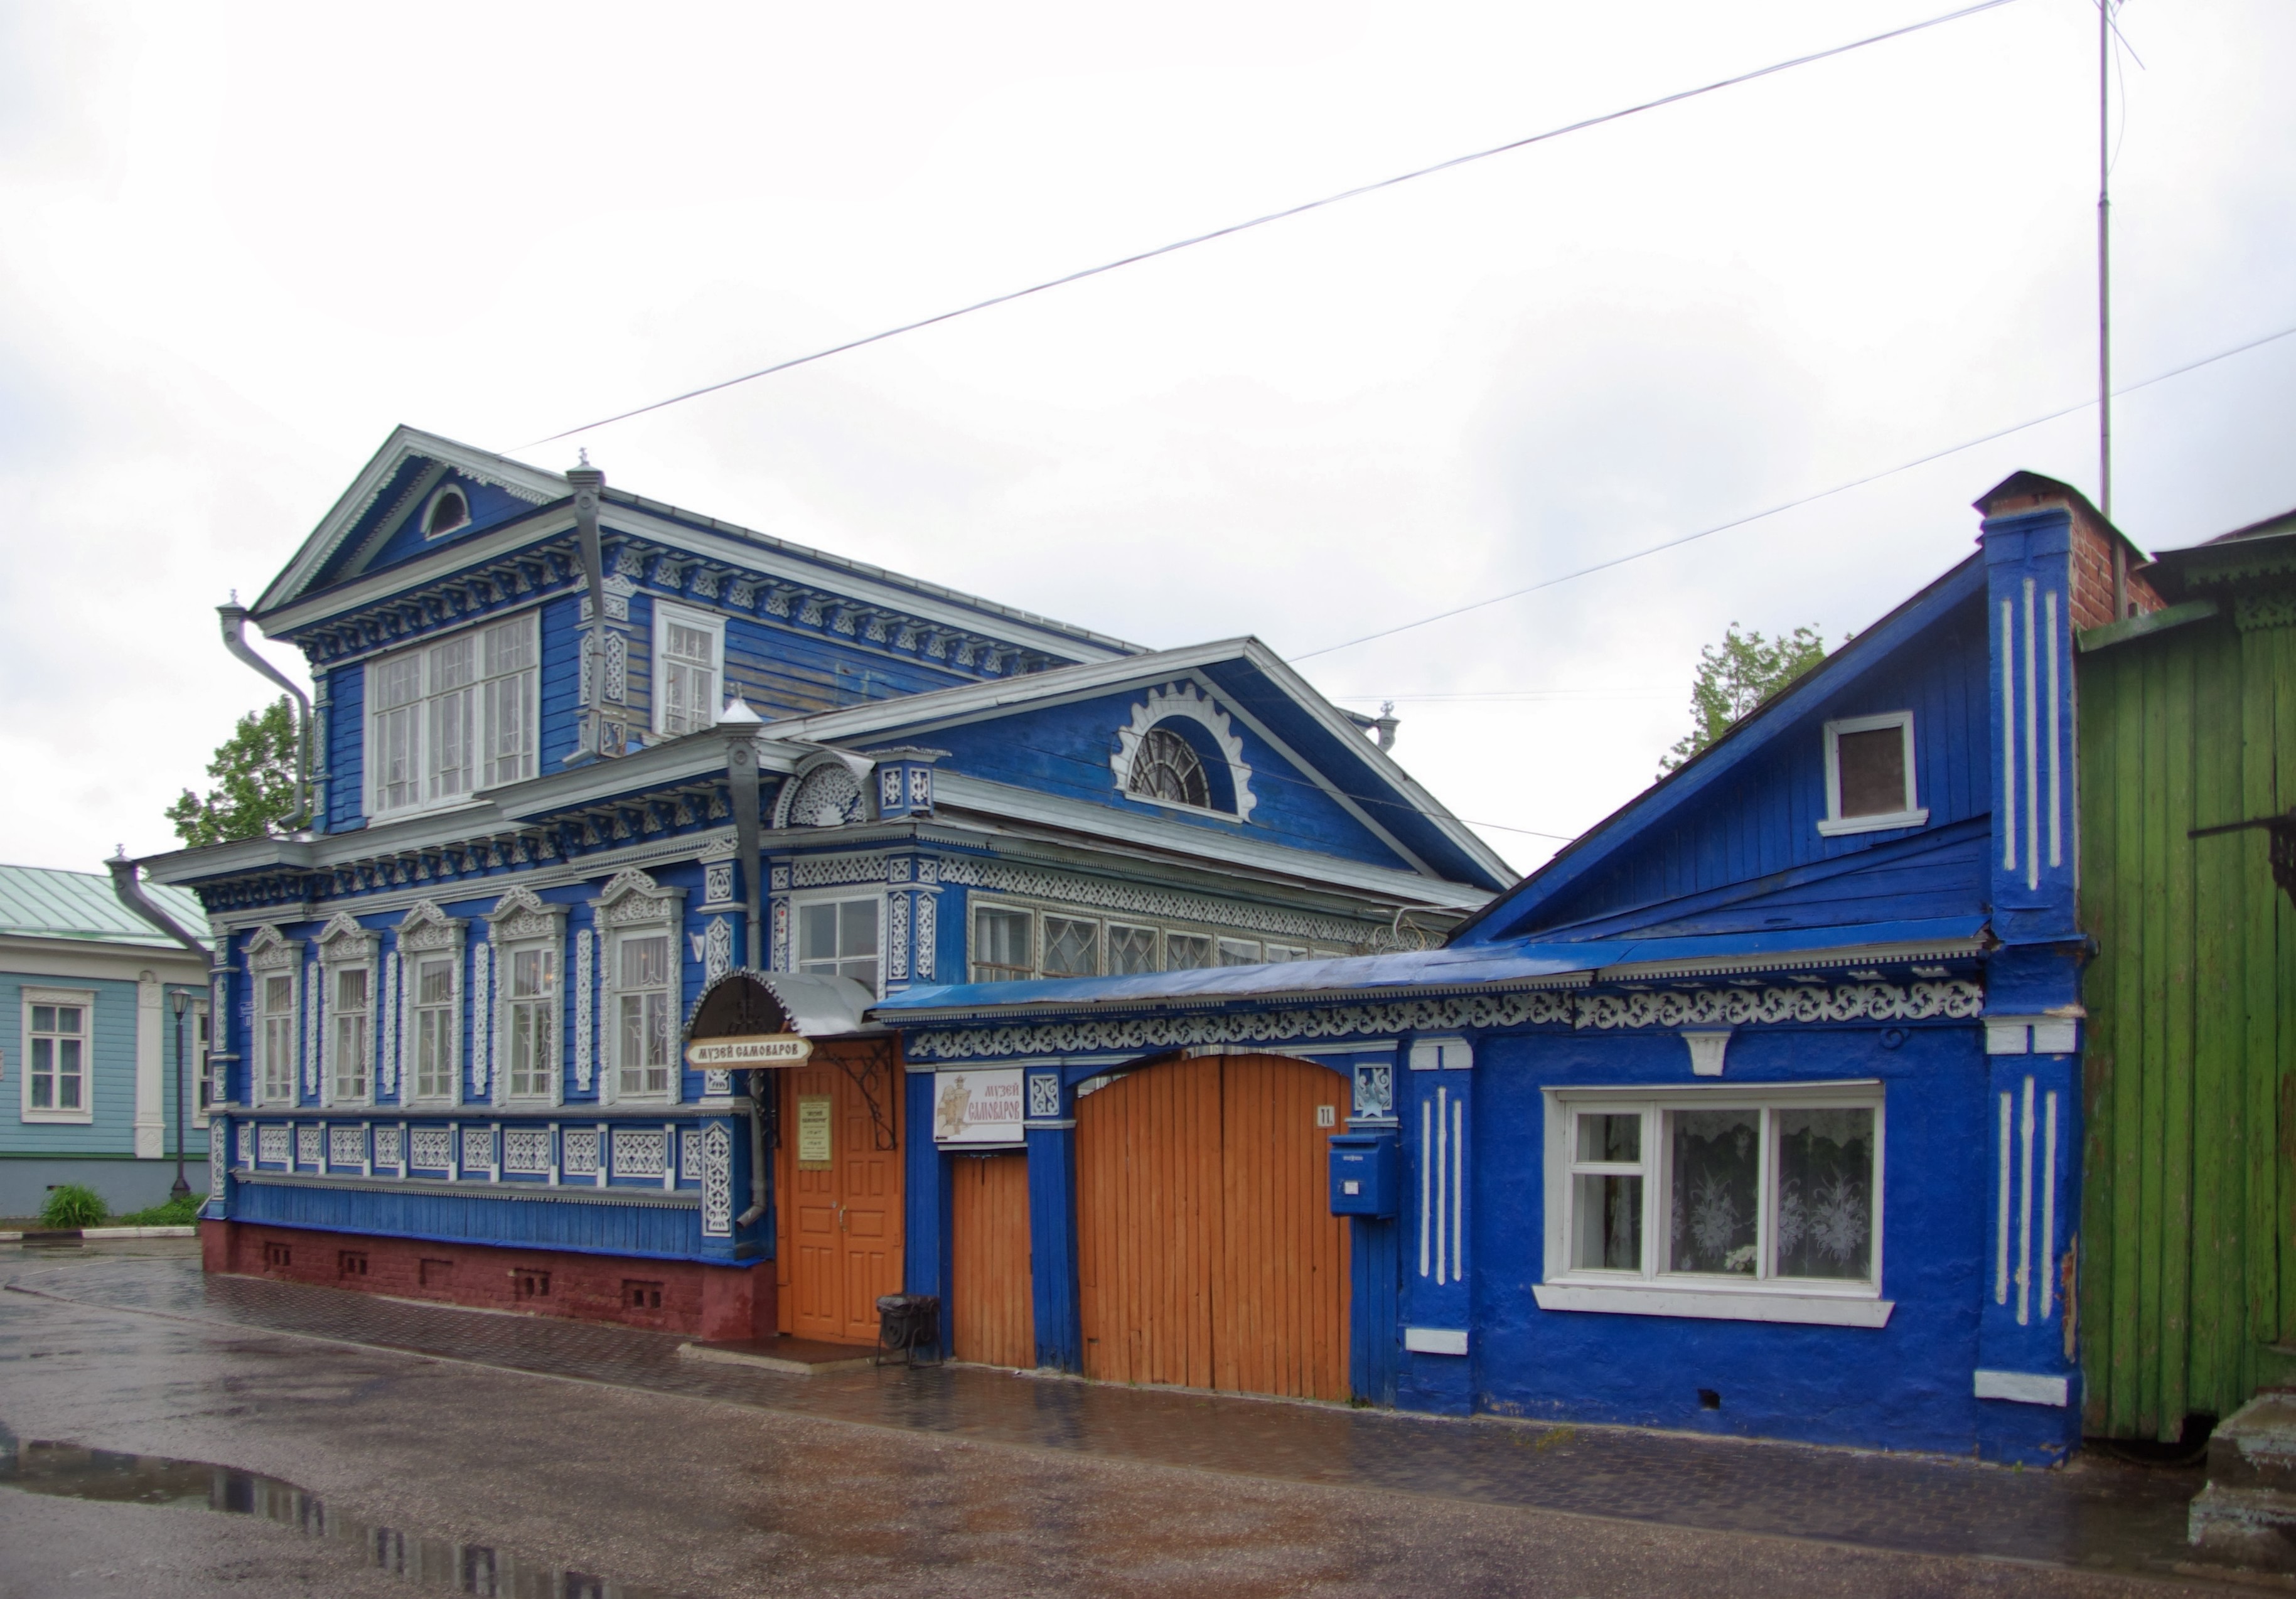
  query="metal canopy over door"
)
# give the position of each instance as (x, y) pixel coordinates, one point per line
(1208, 1255)
(838, 1181)
(993, 1316)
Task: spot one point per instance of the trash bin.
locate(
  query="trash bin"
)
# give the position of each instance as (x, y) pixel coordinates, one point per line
(907, 1323)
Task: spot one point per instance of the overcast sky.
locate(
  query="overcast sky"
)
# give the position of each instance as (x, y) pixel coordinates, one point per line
(239, 243)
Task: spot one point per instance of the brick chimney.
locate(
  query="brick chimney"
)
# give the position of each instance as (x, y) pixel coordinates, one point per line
(2096, 544)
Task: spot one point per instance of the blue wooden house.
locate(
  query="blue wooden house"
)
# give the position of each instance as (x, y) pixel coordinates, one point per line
(103, 1061)
(620, 818)
(1757, 1109)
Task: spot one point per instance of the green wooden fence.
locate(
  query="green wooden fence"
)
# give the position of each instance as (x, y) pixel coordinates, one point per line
(2187, 1278)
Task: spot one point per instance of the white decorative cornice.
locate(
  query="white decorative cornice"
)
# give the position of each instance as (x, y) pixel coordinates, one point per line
(272, 950)
(343, 941)
(426, 927)
(521, 916)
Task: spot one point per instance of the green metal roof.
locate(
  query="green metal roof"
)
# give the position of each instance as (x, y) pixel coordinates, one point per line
(41, 902)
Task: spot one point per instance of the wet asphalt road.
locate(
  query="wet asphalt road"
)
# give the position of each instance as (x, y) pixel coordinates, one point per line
(690, 1495)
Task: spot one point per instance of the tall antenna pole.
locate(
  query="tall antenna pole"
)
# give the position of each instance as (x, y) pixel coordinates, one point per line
(2105, 299)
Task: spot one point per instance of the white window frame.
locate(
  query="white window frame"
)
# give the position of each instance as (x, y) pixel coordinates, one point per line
(1108, 930)
(974, 965)
(1039, 911)
(633, 906)
(85, 999)
(1650, 1291)
(270, 954)
(427, 934)
(202, 1050)
(335, 1017)
(345, 946)
(483, 712)
(1912, 814)
(664, 614)
(845, 896)
(521, 924)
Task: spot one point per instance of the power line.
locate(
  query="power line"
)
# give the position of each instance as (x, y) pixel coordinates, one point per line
(1677, 97)
(1671, 544)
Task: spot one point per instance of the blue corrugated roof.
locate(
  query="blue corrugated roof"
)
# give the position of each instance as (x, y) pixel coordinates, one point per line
(1514, 962)
(43, 902)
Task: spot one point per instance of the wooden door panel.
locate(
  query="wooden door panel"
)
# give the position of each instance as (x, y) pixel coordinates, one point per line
(841, 1225)
(1207, 1253)
(993, 1319)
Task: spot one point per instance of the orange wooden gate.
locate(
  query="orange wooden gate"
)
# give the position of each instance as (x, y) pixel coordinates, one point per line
(1207, 1252)
(993, 1319)
(840, 1217)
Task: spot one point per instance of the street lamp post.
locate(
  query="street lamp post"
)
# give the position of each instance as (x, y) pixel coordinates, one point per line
(182, 1189)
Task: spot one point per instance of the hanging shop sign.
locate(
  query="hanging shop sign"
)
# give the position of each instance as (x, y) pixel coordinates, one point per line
(760, 1049)
(977, 1107)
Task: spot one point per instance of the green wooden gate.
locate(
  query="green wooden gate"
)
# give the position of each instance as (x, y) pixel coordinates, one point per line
(2188, 720)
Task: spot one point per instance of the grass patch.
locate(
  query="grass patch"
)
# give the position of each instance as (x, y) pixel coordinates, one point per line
(176, 1213)
(73, 1205)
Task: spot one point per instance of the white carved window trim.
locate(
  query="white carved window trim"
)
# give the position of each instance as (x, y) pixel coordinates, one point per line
(523, 923)
(427, 933)
(634, 905)
(270, 953)
(484, 713)
(345, 946)
(1650, 1290)
(798, 902)
(85, 999)
(703, 713)
(1184, 700)
(201, 1043)
(1912, 814)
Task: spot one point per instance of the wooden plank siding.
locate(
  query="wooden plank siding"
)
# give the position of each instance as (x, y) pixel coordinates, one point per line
(993, 1318)
(2186, 1277)
(1207, 1257)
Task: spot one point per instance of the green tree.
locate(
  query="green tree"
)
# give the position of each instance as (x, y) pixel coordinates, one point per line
(1736, 675)
(255, 791)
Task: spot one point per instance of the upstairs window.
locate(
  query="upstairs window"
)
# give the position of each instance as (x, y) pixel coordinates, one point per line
(838, 938)
(1870, 775)
(278, 1001)
(688, 650)
(446, 720)
(448, 510)
(1003, 946)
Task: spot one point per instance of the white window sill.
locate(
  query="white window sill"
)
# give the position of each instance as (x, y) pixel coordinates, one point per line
(67, 1118)
(1833, 827)
(1717, 1304)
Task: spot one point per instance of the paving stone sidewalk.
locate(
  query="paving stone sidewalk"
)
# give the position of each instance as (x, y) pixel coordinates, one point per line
(2096, 1514)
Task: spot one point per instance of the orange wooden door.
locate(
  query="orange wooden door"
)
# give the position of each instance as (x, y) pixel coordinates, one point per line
(994, 1317)
(1280, 1321)
(841, 1221)
(1207, 1255)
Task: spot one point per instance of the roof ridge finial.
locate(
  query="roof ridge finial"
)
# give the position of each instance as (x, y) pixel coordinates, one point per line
(584, 452)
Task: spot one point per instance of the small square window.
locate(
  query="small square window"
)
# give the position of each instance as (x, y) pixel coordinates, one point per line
(1870, 775)
(1239, 952)
(1071, 948)
(838, 938)
(1003, 945)
(1186, 951)
(1130, 949)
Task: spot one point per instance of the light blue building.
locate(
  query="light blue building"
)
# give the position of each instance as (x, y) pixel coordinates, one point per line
(97, 1003)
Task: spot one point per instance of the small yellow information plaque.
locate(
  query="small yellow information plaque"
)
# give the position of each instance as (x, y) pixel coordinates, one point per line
(813, 1123)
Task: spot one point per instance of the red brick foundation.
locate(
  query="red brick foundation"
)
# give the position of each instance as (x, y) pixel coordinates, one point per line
(710, 1302)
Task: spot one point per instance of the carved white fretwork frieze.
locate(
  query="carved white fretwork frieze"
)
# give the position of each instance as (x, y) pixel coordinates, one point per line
(1957, 999)
(897, 936)
(584, 1006)
(482, 1037)
(928, 958)
(314, 982)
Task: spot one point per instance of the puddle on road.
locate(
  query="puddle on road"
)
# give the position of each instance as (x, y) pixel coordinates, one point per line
(68, 1472)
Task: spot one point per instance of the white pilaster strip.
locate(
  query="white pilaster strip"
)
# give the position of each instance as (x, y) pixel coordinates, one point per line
(2001, 1221)
(2008, 738)
(2049, 1206)
(1426, 1189)
(2025, 1210)
(1442, 1175)
(2032, 754)
(1458, 1190)
(2056, 763)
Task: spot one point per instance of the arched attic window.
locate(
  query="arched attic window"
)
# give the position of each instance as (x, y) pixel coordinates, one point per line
(449, 509)
(1167, 769)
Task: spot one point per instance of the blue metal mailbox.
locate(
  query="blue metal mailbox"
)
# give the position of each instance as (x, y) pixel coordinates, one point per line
(1363, 1173)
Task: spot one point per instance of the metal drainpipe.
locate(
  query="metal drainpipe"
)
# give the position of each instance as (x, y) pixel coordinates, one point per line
(235, 624)
(589, 484)
(742, 776)
(131, 894)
